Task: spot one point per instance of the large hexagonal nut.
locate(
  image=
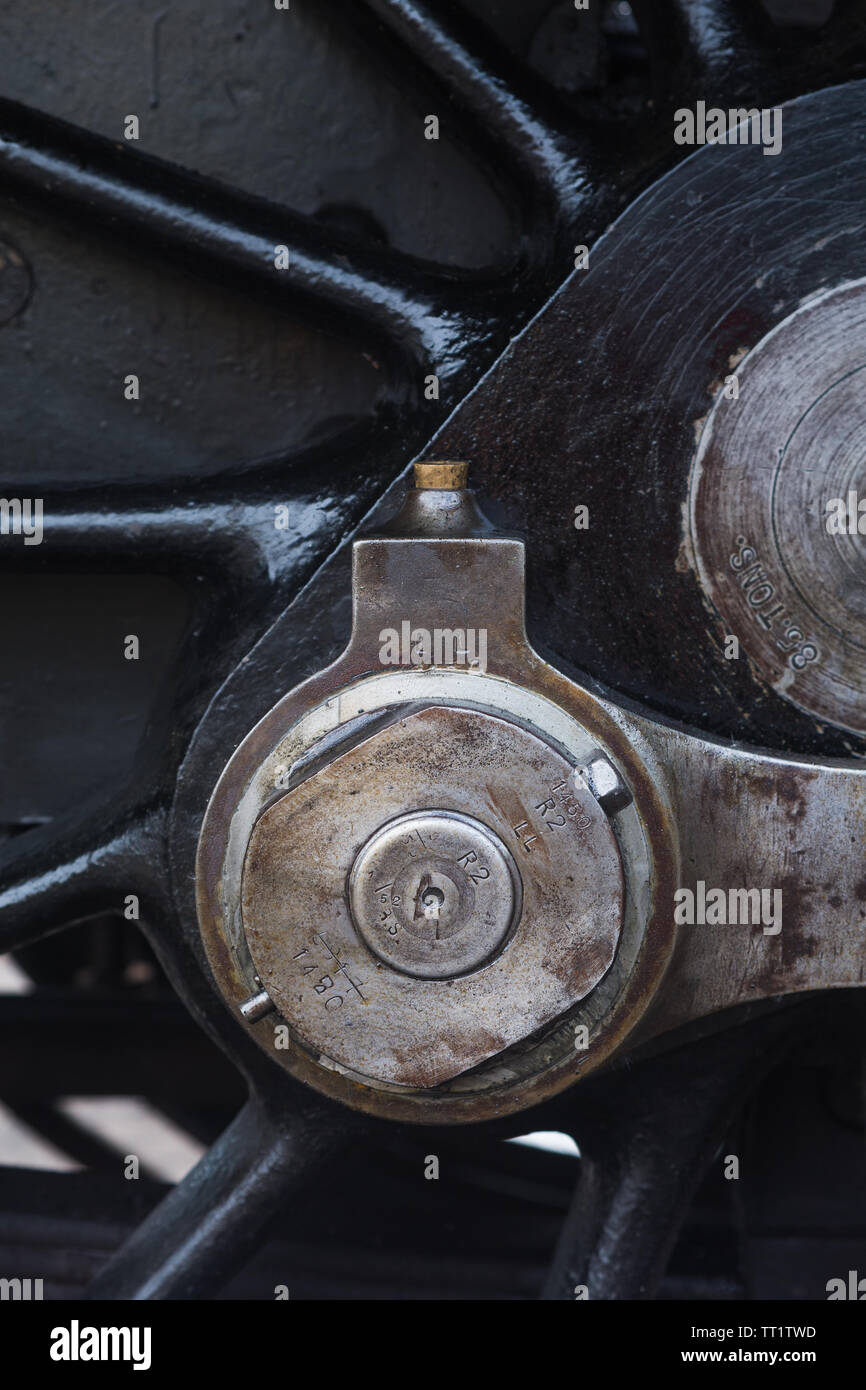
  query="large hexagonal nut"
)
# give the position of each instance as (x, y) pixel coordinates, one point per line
(442, 889)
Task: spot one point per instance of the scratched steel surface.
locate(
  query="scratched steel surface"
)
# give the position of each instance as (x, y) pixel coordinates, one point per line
(612, 385)
(593, 392)
(395, 1027)
(475, 579)
(773, 472)
(738, 818)
(793, 825)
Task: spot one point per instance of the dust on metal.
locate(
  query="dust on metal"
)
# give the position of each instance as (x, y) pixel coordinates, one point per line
(434, 893)
(770, 464)
(312, 955)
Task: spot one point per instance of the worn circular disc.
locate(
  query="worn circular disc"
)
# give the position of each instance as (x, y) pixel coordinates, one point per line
(778, 533)
(434, 893)
(305, 885)
(607, 393)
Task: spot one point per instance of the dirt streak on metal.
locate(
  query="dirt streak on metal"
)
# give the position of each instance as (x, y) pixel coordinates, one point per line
(423, 1031)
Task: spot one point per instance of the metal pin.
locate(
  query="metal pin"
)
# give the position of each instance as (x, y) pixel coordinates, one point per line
(256, 1006)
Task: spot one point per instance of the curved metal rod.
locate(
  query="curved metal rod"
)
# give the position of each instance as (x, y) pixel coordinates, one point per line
(424, 315)
(79, 867)
(512, 108)
(709, 49)
(727, 51)
(647, 1134)
(172, 529)
(210, 1224)
(224, 522)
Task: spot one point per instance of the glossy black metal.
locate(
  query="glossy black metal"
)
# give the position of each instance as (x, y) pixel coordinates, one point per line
(213, 230)
(725, 52)
(564, 188)
(63, 874)
(209, 1224)
(647, 1135)
(227, 529)
(522, 130)
(425, 318)
(624, 441)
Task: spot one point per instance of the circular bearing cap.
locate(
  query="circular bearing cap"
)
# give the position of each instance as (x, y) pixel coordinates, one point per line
(778, 520)
(514, 960)
(434, 894)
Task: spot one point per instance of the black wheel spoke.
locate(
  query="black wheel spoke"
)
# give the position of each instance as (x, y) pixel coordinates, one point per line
(69, 871)
(210, 1224)
(162, 527)
(510, 107)
(647, 1130)
(646, 1136)
(208, 228)
(715, 50)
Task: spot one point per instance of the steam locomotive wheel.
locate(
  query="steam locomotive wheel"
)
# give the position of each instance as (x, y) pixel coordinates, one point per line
(609, 396)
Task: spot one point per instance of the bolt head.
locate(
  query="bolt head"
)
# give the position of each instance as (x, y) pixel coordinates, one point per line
(605, 783)
(434, 894)
(309, 920)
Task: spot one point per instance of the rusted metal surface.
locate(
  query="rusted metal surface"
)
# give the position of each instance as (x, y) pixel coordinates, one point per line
(469, 578)
(773, 845)
(629, 463)
(747, 820)
(778, 535)
(316, 965)
(591, 403)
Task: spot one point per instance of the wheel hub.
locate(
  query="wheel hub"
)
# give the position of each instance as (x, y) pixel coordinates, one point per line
(406, 944)
(434, 881)
(775, 515)
(434, 894)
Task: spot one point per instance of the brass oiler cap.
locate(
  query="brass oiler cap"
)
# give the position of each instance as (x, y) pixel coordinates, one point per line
(445, 474)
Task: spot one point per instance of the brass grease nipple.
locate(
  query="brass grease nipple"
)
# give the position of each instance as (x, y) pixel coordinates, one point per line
(447, 475)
